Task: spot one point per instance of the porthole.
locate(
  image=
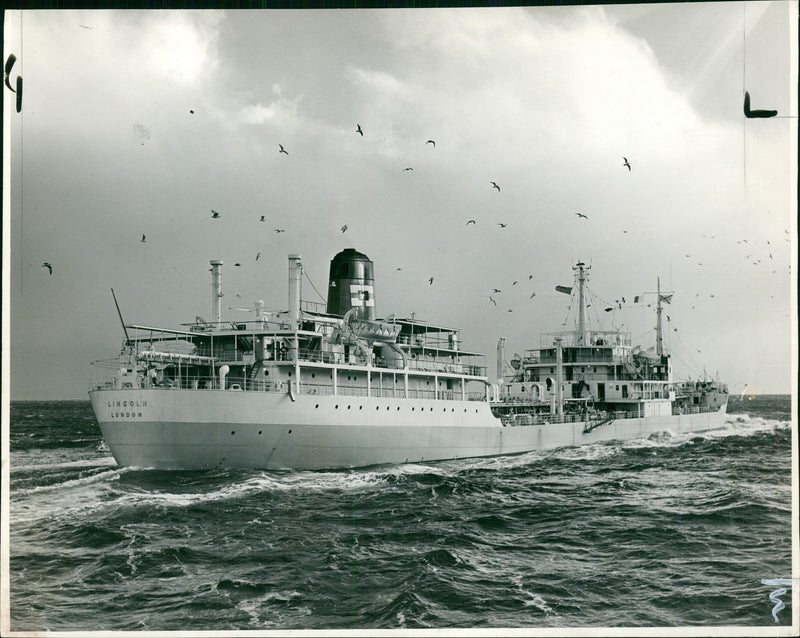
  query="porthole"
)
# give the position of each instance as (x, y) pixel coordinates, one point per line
(398, 408)
(317, 405)
(313, 375)
(387, 407)
(233, 432)
(360, 407)
(290, 431)
(377, 407)
(412, 409)
(259, 431)
(290, 373)
(336, 407)
(348, 407)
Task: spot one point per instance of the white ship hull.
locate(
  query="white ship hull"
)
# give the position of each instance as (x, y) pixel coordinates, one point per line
(201, 429)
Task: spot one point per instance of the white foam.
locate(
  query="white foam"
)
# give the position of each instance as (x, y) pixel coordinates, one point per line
(103, 462)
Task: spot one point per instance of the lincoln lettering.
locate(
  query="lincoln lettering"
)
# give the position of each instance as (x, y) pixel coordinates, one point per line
(127, 404)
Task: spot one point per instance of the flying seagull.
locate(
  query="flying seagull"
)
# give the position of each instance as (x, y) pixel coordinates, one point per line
(533, 294)
(258, 255)
(343, 228)
(471, 221)
(497, 290)
(492, 300)
(756, 113)
(494, 185)
(237, 264)
(263, 218)
(430, 281)
(501, 225)
(49, 266)
(530, 277)
(431, 142)
(582, 215)
(626, 163)
(143, 239)
(191, 111)
(408, 169)
(358, 130)
(279, 230)
(283, 150)
(214, 214)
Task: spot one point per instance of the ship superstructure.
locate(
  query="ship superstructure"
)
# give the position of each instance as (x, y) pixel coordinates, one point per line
(598, 375)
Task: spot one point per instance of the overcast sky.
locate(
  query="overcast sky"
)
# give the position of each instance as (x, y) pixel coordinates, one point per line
(137, 122)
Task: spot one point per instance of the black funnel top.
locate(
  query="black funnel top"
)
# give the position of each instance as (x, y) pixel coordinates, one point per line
(351, 284)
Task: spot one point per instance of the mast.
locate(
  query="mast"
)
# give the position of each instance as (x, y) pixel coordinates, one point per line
(216, 292)
(659, 341)
(582, 276)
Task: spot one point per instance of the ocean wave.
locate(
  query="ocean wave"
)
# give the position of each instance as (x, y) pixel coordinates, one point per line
(71, 483)
(46, 467)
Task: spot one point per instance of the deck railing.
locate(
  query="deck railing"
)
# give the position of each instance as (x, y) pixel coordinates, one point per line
(282, 387)
(545, 419)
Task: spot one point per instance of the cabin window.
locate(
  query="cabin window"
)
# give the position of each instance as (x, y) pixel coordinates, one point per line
(624, 391)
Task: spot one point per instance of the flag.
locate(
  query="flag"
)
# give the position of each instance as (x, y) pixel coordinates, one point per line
(565, 289)
(666, 298)
(636, 299)
(609, 309)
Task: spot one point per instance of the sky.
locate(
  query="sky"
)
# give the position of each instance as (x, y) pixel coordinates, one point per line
(141, 122)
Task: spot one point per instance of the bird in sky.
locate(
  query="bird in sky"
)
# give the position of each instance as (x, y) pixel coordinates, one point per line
(214, 214)
(408, 168)
(431, 142)
(143, 239)
(497, 290)
(237, 264)
(755, 113)
(533, 294)
(279, 230)
(398, 268)
(258, 255)
(501, 224)
(582, 215)
(515, 283)
(471, 221)
(492, 300)
(283, 150)
(530, 277)
(263, 218)
(344, 228)
(494, 185)
(626, 163)
(358, 130)
(430, 281)
(49, 266)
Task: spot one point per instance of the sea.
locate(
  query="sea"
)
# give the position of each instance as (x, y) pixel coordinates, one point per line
(666, 531)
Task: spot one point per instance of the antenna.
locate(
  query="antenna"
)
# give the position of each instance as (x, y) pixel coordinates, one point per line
(124, 329)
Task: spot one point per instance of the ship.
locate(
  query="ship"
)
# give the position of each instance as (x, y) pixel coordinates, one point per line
(332, 386)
